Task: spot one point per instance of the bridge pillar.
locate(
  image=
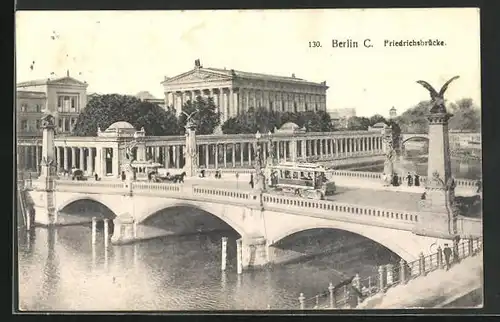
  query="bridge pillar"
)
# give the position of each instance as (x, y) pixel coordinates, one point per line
(437, 218)
(125, 230)
(253, 252)
(191, 152)
(43, 198)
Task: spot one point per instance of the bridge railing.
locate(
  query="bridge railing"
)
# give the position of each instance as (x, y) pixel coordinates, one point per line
(469, 227)
(223, 194)
(89, 186)
(349, 212)
(353, 292)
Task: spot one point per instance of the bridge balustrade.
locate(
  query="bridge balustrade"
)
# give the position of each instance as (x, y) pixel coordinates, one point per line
(221, 194)
(89, 186)
(469, 227)
(148, 186)
(403, 220)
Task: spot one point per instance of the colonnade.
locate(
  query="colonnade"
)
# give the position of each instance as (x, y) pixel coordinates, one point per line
(232, 101)
(106, 160)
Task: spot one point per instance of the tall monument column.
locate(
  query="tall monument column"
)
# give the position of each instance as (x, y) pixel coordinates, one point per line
(437, 217)
(191, 151)
(45, 212)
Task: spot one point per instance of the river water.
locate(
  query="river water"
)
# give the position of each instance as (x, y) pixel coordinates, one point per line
(60, 270)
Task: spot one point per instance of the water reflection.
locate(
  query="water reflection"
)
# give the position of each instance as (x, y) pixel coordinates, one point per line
(60, 269)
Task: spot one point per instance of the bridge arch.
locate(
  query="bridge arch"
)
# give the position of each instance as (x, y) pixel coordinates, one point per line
(92, 198)
(217, 210)
(390, 238)
(420, 137)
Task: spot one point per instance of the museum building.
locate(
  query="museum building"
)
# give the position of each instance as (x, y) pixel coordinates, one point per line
(236, 91)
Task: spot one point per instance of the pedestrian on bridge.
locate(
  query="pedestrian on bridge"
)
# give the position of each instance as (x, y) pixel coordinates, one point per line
(417, 180)
(251, 181)
(447, 255)
(409, 180)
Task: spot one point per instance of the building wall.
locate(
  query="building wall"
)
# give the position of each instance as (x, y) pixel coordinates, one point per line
(29, 108)
(235, 95)
(64, 120)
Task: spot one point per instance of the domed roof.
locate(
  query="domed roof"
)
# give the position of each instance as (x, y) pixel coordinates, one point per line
(144, 95)
(120, 125)
(379, 125)
(289, 126)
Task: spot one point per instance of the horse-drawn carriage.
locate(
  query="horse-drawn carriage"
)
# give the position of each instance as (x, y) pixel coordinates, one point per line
(307, 180)
(167, 175)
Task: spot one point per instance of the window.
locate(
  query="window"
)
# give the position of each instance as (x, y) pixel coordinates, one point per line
(38, 108)
(307, 107)
(295, 107)
(37, 124)
(270, 105)
(24, 107)
(60, 124)
(282, 106)
(66, 125)
(24, 125)
(60, 101)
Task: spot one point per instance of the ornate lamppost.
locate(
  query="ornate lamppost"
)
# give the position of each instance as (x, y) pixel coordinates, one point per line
(259, 175)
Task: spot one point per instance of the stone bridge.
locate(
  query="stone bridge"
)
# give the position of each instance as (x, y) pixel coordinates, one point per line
(261, 219)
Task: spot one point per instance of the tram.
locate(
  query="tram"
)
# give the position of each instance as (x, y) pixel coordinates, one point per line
(307, 180)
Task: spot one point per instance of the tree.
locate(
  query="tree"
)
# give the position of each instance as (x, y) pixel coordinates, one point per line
(377, 118)
(414, 120)
(103, 110)
(466, 116)
(206, 117)
(358, 123)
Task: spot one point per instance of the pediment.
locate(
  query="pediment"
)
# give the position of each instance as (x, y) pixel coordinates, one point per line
(197, 76)
(66, 81)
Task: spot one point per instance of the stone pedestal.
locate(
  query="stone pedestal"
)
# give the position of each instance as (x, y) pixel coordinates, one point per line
(253, 252)
(125, 230)
(191, 151)
(436, 218)
(44, 201)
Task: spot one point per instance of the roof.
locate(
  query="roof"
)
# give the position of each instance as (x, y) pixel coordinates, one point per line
(289, 126)
(120, 125)
(232, 73)
(144, 95)
(379, 125)
(67, 80)
(32, 94)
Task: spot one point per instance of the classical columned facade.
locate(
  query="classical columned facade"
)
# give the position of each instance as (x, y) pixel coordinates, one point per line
(235, 91)
(104, 155)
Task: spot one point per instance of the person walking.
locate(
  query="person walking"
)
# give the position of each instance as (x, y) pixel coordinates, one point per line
(417, 180)
(251, 181)
(409, 180)
(447, 256)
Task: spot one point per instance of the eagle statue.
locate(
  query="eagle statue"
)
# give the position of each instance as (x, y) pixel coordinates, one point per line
(437, 99)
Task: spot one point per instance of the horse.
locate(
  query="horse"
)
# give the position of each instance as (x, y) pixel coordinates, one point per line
(179, 178)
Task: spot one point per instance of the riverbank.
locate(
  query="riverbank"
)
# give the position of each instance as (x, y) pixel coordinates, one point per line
(438, 289)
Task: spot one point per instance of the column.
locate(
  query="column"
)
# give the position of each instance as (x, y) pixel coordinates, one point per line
(82, 161)
(37, 157)
(224, 147)
(230, 103)
(90, 165)
(166, 156)
(250, 154)
(116, 170)
(177, 156)
(235, 102)
(207, 155)
(242, 146)
(216, 157)
(303, 151)
(73, 157)
(233, 158)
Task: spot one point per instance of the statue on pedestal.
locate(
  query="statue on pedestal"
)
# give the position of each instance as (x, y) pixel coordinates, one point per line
(437, 99)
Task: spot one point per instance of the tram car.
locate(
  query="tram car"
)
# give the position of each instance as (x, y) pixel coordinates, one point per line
(307, 180)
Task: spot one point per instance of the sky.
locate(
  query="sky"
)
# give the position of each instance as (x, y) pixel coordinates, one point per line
(131, 51)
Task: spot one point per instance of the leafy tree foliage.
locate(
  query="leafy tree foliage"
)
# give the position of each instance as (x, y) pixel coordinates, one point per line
(206, 117)
(377, 118)
(264, 120)
(466, 116)
(414, 120)
(103, 110)
(358, 123)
